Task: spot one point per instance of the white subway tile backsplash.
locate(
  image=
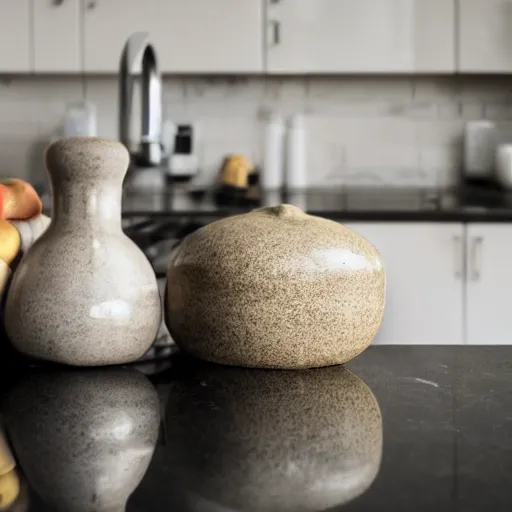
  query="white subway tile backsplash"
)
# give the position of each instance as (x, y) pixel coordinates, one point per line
(352, 109)
(284, 97)
(472, 111)
(359, 88)
(449, 111)
(15, 159)
(437, 88)
(392, 177)
(504, 132)
(441, 162)
(41, 89)
(374, 155)
(498, 111)
(438, 133)
(361, 129)
(486, 89)
(174, 90)
(421, 110)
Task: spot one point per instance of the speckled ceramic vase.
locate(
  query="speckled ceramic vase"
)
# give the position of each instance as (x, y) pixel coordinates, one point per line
(275, 288)
(269, 441)
(84, 294)
(84, 438)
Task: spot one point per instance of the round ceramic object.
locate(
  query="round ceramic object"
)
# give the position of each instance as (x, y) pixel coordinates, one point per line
(83, 439)
(275, 288)
(84, 294)
(268, 440)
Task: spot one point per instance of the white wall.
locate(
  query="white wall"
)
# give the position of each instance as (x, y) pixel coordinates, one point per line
(393, 130)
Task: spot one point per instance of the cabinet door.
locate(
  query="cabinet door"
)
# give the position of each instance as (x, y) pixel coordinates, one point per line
(190, 36)
(489, 284)
(434, 36)
(485, 44)
(347, 36)
(15, 37)
(424, 298)
(57, 31)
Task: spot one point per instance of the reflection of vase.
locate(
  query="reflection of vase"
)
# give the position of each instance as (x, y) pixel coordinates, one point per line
(84, 294)
(240, 439)
(84, 439)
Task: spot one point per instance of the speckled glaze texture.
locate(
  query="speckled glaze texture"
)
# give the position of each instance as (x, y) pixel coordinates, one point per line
(83, 439)
(275, 288)
(268, 440)
(84, 294)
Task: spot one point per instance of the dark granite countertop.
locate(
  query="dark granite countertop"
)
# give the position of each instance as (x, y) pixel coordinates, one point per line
(407, 429)
(347, 204)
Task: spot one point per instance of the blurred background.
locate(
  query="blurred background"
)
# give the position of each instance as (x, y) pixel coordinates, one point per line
(393, 116)
(386, 87)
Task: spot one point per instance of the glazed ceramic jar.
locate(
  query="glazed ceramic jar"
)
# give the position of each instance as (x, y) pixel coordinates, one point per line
(84, 294)
(268, 440)
(275, 288)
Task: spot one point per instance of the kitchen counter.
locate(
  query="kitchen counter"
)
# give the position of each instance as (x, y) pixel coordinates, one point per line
(349, 204)
(410, 428)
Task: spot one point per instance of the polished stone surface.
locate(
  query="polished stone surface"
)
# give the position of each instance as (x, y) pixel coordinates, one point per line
(83, 438)
(369, 203)
(465, 204)
(446, 424)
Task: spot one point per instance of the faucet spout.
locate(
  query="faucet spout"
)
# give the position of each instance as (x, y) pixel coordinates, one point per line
(138, 54)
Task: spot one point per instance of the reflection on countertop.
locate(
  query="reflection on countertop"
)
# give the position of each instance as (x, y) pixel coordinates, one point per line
(276, 440)
(83, 438)
(412, 428)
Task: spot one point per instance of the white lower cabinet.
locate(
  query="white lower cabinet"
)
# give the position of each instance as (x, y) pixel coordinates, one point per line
(489, 284)
(425, 281)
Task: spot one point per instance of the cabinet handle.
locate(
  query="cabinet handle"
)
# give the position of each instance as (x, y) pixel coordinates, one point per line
(91, 4)
(274, 32)
(58, 3)
(457, 242)
(475, 257)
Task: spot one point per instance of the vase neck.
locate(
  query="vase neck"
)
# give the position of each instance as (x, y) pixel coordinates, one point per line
(83, 204)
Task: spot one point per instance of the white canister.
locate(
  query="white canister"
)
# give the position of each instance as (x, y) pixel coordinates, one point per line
(272, 171)
(80, 120)
(479, 149)
(503, 167)
(296, 170)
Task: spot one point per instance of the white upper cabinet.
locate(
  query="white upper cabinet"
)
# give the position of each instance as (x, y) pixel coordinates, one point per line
(190, 36)
(15, 37)
(434, 40)
(360, 36)
(424, 281)
(57, 39)
(485, 36)
(489, 284)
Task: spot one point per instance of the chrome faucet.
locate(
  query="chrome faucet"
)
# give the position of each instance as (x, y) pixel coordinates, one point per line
(138, 54)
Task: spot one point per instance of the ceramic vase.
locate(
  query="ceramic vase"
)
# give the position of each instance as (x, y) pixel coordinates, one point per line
(84, 294)
(83, 438)
(268, 440)
(275, 288)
